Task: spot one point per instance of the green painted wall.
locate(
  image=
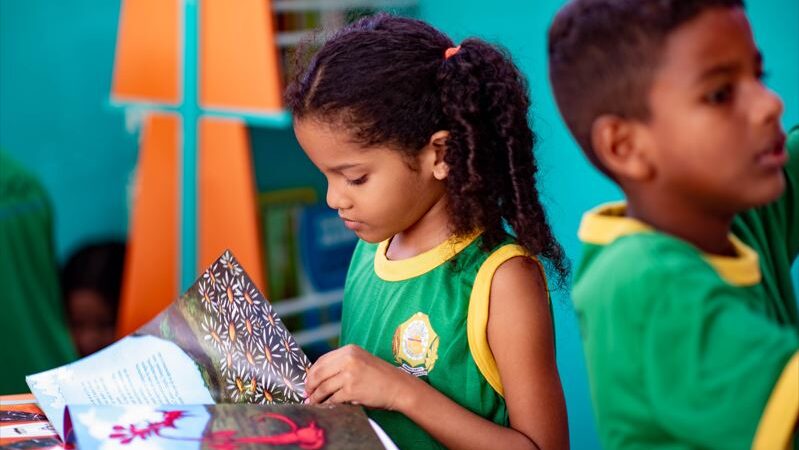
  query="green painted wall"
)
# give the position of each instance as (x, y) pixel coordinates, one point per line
(570, 186)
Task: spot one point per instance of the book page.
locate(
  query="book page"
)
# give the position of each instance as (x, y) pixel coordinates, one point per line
(135, 370)
(220, 342)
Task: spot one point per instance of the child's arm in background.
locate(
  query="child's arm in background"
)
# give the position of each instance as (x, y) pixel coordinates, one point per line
(520, 334)
(792, 188)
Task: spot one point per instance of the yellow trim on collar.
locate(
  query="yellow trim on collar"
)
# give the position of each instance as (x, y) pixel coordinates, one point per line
(606, 223)
(477, 318)
(779, 417)
(741, 270)
(420, 264)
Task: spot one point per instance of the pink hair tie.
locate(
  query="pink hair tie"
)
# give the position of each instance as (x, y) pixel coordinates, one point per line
(448, 53)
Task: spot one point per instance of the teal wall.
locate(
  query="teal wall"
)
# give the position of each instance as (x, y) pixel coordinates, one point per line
(56, 65)
(569, 184)
(55, 78)
(56, 62)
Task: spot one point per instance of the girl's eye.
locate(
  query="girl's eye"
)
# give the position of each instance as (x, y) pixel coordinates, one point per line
(720, 96)
(357, 182)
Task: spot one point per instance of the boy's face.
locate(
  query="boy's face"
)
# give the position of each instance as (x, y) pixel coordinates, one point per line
(374, 190)
(714, 128)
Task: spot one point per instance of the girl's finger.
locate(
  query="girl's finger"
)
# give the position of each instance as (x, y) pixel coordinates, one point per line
(338, 397)
(325, 389)
(321, 371)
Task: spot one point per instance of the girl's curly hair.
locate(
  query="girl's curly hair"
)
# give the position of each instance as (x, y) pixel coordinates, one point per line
(385, 79)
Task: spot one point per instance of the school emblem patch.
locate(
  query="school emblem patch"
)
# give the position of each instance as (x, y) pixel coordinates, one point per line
(415, 345)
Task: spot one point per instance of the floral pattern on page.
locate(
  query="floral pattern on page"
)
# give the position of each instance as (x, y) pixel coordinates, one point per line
(250, 356)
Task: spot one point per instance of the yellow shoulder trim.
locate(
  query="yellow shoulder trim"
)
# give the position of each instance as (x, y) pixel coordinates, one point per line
(477, 318)
(420, 264)
(782, 410)
(606, 223)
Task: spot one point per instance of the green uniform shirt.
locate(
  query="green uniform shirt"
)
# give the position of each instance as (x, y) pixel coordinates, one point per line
(688, 350)
(33, 333)
(428, 316)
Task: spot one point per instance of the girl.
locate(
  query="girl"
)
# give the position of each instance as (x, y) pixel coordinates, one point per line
(428, 156)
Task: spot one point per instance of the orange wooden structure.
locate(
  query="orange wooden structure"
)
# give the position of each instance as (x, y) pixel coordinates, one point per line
(198, 111)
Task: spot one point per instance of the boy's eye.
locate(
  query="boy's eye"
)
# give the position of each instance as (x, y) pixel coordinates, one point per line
(357, 182)
(720, 96)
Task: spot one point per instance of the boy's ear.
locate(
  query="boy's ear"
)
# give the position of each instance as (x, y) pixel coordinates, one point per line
(437, 146)
(621, 146)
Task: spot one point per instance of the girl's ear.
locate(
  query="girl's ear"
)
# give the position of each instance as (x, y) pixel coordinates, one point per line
(437, 145)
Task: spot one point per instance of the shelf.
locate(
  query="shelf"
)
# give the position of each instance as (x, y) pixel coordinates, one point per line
(279, 119)
(285, 39)
(321, 333)
(335, 5)
(296, 305)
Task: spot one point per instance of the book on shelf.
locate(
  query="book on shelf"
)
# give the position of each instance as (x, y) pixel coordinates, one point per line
(23, 425)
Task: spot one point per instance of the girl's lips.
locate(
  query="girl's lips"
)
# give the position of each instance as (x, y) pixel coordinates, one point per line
(351, 224)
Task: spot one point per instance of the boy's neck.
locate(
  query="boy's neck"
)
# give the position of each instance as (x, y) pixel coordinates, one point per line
(706, 231)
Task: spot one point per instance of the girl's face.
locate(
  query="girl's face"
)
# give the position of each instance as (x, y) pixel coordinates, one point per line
(375, 190)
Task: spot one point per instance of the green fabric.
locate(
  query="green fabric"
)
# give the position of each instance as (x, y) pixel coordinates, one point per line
(373, 311)
(33, 332)
(678, 358)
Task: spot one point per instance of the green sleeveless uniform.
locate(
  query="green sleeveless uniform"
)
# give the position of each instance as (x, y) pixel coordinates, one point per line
(427, 315)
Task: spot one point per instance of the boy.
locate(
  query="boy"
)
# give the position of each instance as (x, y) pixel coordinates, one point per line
(686, 307)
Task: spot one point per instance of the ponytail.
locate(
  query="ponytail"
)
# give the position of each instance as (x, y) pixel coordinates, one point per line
(491, 182)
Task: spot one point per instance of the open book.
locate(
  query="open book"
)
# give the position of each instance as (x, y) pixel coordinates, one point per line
(220, 342)
(223, 427)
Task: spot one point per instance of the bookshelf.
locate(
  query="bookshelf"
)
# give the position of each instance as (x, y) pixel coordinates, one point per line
(299, 22)
(194, 75)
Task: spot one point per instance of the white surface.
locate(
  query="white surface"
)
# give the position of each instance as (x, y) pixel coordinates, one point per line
(384, 439)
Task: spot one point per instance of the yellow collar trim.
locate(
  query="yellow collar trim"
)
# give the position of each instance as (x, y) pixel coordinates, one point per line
(420, 264)
(606, 223)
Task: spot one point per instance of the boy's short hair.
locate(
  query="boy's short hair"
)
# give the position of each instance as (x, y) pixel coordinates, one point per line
(603, 55)
(96, 267)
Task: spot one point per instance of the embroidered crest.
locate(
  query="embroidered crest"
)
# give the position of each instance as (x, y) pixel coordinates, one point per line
(415, 345)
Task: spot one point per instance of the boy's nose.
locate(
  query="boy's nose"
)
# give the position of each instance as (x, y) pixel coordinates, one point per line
(768, 107)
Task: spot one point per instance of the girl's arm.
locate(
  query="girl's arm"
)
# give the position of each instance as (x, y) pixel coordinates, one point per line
(520, 335)
(522, 338)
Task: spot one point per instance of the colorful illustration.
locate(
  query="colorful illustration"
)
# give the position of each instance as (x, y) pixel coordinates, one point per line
(310, 436)
(224, 427)
(221, 342)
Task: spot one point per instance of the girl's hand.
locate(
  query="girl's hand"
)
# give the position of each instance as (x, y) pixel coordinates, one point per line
(352, 375)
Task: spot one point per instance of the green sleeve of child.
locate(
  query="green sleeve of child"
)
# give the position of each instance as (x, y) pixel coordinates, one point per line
(710, 362)
(681, 355)
(777, 225)
(792, 193)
